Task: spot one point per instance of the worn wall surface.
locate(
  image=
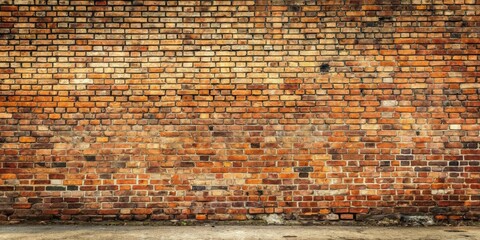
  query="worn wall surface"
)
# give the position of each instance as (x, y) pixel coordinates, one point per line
(230, 110)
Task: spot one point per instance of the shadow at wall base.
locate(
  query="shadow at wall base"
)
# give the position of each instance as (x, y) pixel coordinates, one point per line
(345, 219)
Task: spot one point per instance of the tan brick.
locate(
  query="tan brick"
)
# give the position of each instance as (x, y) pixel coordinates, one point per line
(5, 115)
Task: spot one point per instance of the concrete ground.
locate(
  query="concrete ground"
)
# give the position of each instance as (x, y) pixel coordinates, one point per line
(64, 232)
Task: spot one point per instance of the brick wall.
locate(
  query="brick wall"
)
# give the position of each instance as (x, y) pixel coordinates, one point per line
(229, 110)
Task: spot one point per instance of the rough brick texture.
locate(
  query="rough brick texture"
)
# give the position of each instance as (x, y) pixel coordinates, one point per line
(222, 110)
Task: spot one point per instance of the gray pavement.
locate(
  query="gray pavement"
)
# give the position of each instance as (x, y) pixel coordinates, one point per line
(63, 232)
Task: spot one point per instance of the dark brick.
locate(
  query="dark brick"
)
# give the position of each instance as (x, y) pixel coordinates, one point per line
(59, 164)
(423, 169)
(7, 188)
(222, 134)
(453, 163)
(72, 188)
(40, 164)
(303, 169)
(404, 157)
(199, 188)
(55, 188)
(371, 24)
(42, 146)
(187, 164)
(255, 145)
(385, 163)
(294, 8)
(287, 187)
(35, 200)
(472, 145)
(453, 169)
(406, 151)
(303, 175)
(105, 176)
